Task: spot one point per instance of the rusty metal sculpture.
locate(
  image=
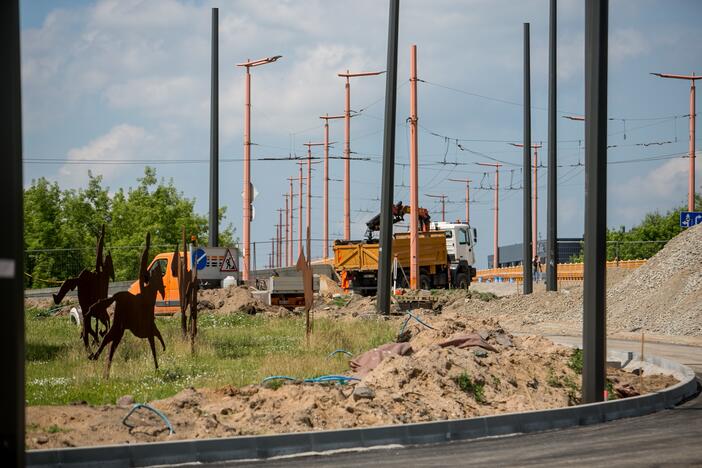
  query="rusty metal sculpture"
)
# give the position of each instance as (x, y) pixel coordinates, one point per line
(92, 286)
(304, 266)
(187, 289)
(133, 312)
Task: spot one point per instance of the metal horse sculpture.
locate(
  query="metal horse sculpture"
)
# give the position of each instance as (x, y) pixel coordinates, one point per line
(187, 289)
(92, 286)
(133, 312)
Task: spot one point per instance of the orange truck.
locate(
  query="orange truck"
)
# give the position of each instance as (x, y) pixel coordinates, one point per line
(214, 264)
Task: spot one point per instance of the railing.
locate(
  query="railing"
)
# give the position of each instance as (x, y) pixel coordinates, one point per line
(566, 271)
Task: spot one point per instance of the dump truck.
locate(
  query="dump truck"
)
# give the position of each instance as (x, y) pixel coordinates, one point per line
(446, 258)
(213, 263)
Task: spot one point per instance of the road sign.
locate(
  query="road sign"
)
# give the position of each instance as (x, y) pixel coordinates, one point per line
(200, 259)
(690, 218)
(229, 264)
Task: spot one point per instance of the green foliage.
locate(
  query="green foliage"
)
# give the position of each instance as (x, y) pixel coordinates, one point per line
(468, 385)
(71, 219)
(575, 362)
(233, 349)
(647, 238)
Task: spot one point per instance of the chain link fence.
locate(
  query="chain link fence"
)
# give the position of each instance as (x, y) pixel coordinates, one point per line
(44, 268)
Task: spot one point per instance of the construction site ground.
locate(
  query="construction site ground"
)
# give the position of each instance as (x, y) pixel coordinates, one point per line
(474, 354)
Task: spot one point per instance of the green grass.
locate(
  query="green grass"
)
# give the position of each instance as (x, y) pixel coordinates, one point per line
(235, 349)
(575, 361)
(468, 385)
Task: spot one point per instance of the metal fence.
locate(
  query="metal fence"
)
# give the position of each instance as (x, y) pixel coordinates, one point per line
(49, 267)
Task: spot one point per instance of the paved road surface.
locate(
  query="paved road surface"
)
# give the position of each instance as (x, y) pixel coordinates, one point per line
(667, 438)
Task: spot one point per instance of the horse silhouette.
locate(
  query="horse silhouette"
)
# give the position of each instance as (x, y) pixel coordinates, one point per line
(133, 312)
(92, 286)
(187, 289)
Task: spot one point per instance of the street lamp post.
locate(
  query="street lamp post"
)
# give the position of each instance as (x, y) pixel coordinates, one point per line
(347, 149)
(691, 177)
(247, 160)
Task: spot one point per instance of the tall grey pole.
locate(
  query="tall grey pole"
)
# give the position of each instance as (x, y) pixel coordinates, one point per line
(11, 249)
(594, 313)
(388, 176)
(552, 207)
(214, 133)
(527, 240)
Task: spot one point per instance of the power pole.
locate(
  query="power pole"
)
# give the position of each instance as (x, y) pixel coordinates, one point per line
(691, 175)
(594, 285)
(534, 195)
(12, 422)
(247, 160)
(467, 182)
(214, 132)
(414, 173)
(527, 242)
(309, 146)
(325, 236)
(388, 175)
(286, 261)
(290, 222)
(347, 149)
(552, 207)
(495, 224)
(443, 205)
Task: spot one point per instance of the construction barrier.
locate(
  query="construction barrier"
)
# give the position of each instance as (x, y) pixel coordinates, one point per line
(566, 271)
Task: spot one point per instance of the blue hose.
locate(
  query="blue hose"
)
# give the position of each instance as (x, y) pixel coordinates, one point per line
(278, 377)
(340, 351)
(412, 316)
(150, 408)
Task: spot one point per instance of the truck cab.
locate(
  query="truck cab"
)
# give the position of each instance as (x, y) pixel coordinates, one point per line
(460, 248)
(170, 304)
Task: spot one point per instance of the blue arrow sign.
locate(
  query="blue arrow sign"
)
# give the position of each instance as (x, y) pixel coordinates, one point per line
(690, 218)
(200, 259)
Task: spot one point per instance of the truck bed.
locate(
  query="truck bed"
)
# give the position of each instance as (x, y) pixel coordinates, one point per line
(363, 255)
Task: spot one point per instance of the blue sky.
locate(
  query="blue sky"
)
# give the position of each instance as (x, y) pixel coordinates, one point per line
(128, 80)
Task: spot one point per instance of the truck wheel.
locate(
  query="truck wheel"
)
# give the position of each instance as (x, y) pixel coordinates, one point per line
(424, 282)
(462, 281)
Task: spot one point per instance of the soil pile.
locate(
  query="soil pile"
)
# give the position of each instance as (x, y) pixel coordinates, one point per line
(664, 295)
(234, 299)
(432, 383)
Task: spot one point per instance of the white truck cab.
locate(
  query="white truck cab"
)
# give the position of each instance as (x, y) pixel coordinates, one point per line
(460, 243)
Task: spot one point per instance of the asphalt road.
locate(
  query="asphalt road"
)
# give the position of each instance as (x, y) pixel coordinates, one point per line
(667, 438)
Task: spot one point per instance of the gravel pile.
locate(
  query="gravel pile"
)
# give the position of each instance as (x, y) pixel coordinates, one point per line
(665, 295)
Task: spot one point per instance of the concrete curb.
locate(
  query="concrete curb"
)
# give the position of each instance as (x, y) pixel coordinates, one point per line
(253, 447)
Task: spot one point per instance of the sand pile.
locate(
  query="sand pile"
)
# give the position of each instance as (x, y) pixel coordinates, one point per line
(433, 383)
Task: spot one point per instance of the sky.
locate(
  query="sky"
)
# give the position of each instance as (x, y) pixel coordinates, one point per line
(110, 86)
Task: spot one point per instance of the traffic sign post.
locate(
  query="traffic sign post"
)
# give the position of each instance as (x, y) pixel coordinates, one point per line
(229, 264)
(690, 218)
(200, 259)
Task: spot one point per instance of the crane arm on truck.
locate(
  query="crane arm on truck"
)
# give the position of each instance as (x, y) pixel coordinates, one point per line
(398, 214)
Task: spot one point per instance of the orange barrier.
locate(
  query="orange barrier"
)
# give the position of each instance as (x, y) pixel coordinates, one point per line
(566, 271)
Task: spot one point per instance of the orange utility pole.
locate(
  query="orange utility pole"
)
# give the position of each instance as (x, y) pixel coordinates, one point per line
(467, 182)
(495, 240)
(691, 176)
(247, 161)
(534, 195)
(299, 213)
(309, 190)
(325, 236)
(290, 222)
(414, 173)
(347, 149)
(443, 205)
(286, 260)
(280, 237)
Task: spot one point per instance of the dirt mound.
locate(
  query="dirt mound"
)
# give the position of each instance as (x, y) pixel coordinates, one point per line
(432, 383)
(328, 287)
(234, 299)
(665, 294)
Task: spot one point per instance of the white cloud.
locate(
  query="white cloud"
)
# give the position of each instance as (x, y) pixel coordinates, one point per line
(122, 142)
